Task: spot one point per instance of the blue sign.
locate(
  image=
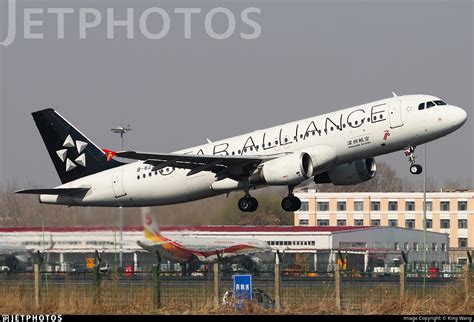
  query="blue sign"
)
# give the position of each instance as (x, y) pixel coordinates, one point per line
(242, 289)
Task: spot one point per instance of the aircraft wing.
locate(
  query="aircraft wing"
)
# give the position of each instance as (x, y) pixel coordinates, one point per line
(54, 191)
(234, 165)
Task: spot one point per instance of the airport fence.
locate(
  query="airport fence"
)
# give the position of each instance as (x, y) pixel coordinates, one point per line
(155, 291)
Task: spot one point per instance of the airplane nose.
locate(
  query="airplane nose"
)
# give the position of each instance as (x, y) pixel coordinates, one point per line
(459, 116)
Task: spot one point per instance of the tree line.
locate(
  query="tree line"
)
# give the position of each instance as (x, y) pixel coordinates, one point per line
(25, 210)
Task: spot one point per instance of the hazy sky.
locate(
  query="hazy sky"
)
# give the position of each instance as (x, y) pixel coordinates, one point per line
(312, 57)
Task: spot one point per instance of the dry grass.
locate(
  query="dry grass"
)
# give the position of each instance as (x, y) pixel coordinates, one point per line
(18, 298)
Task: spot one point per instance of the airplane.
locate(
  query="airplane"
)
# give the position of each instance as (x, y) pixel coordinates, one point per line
(194, 251)
(337, 148)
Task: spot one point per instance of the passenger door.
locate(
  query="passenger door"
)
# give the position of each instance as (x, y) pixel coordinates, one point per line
(395, 114)
(117, 184)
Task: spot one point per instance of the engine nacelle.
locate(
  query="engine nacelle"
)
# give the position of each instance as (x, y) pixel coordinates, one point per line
(290, 169)
(322, 156)
(349, 173)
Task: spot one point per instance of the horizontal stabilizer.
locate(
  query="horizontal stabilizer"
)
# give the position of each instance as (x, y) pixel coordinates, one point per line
(52, 191)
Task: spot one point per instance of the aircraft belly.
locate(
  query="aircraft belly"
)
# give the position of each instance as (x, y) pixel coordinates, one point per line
(173, 188)
(199, 185)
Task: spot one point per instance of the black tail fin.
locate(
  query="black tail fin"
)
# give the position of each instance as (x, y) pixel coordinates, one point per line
(73, 155)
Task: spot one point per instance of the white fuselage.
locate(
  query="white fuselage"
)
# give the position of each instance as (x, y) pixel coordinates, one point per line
(182, 249)
(355, 133)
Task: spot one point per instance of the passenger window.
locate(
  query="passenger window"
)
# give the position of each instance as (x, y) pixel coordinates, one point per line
(430, 104)
(440, 103)
(421, 106)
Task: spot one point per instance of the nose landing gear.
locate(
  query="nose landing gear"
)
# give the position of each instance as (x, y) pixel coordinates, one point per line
(410, 153)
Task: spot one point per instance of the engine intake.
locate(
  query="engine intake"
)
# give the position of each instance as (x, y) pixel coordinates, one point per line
(349, 173)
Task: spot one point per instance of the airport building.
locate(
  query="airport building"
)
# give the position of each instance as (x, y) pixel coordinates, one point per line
(309, 248)
(450, 212)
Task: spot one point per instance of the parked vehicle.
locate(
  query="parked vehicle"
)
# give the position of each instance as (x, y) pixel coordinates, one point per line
(104, 268)
(129, 270)
(433, 272)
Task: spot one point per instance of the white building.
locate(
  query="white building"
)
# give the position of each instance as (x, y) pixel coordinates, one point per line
(315, 248)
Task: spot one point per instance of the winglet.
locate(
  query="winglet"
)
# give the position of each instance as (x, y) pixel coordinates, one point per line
(394, 94)
(208, 141)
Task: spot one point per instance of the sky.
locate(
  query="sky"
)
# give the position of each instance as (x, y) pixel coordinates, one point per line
(311, 57)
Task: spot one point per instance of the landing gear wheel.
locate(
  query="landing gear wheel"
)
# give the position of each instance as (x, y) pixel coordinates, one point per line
(410, 153)
(291, 203)
(416, 169)
(248, 204)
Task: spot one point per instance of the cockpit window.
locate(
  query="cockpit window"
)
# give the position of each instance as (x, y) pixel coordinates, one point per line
(430, 104)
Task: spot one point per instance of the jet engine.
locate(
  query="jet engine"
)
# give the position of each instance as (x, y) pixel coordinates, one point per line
(349, 173)
(322, 157)
(290, 169)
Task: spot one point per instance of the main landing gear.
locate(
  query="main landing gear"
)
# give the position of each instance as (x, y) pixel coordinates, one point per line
(291, 203)
(410, 153)
(248, 203)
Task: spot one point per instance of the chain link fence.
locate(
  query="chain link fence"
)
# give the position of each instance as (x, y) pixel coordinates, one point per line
(305, 292)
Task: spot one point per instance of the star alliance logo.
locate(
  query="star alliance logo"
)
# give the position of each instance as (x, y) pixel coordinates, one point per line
(80, 160)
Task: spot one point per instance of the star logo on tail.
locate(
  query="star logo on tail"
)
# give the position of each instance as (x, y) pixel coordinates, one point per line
(80, 160)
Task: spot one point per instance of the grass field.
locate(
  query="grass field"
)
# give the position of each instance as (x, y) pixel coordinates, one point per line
(196, 297)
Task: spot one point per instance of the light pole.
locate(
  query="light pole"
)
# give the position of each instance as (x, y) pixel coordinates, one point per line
(121, 130)
(425, 239)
